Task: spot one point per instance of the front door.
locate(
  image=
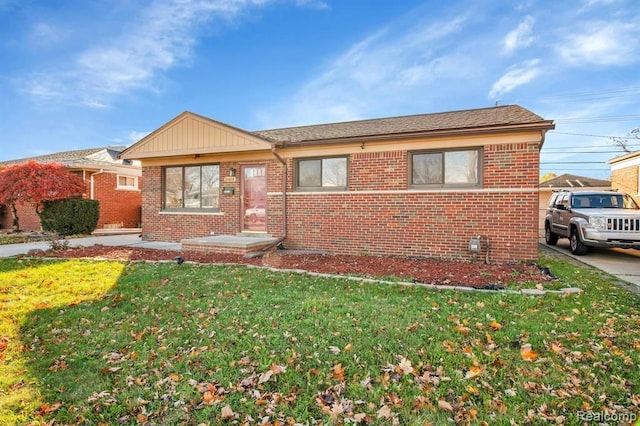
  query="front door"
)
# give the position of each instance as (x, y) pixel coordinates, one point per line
(254, 198)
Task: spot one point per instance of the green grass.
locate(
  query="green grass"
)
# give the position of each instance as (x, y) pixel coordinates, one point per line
(107, 342)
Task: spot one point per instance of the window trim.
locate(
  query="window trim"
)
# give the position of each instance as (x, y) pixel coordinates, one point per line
(480, 170)
(133, 187)
(321, 188)
(201, 209)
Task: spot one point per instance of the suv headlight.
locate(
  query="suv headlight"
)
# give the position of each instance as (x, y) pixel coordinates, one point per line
(598, 222)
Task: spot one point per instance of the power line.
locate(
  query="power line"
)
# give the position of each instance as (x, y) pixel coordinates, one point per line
(598, 119)
(592, 136)
(599, 94)
(573, 162)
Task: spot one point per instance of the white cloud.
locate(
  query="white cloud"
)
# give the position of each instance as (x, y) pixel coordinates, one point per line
(603, 43)
(161, 37)
(520, 37)
(394, 64)
(313, 4)
(514, 77)
(43, 34)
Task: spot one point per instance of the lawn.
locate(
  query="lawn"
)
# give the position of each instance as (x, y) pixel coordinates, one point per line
(105, 342)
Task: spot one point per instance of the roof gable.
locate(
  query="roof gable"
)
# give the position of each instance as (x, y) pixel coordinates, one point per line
(78, 159)
(573, 181)
(189, 134)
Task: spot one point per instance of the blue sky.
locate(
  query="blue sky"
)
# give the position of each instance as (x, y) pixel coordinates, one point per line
(80, 74)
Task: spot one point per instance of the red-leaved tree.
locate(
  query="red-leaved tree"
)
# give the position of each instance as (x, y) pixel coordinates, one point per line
(34, 183)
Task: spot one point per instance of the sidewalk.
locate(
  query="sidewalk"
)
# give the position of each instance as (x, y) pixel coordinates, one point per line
(127, 240)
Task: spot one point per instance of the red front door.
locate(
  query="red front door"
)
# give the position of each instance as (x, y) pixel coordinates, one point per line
(254, 198)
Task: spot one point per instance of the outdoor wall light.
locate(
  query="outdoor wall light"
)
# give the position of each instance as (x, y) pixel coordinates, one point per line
(232, 171)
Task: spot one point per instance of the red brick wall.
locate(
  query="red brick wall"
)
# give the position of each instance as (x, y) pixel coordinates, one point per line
(158, 226)
(379, 214)
(116, 206)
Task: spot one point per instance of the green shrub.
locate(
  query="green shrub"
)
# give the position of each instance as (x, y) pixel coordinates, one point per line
(70, 216)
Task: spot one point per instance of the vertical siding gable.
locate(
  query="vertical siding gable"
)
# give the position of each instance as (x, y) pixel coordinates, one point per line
(191, 134)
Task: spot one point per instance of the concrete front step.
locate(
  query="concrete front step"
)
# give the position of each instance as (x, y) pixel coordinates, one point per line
(235, 244)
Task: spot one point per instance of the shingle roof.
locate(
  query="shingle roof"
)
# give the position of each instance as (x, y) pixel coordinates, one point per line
(424, 123)
(70, 158)
(573, 181)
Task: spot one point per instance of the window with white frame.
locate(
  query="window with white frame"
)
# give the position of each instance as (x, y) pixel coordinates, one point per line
(461, 168)
(321, 174)
(191, 187)
(127, 182)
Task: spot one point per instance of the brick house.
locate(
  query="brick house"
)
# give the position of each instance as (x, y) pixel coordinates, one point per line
(421, 185)
(108, 179)
(625, 174)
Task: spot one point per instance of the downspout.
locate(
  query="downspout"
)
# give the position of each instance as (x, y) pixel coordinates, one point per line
(91, 190)
(284, 195)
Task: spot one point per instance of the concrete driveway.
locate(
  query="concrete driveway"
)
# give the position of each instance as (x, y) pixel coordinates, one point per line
(127, 240)
(624, 264)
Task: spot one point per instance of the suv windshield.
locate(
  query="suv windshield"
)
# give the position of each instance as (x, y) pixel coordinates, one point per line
(607, 201)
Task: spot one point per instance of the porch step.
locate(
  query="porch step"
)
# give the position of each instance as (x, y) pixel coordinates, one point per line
(233, 244)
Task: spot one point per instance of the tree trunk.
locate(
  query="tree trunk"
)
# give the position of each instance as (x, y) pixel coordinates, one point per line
(14, 214)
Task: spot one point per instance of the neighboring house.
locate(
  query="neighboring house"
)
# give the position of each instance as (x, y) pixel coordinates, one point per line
(625, 174)
(565, 181)
(115, 183)
(421, 185)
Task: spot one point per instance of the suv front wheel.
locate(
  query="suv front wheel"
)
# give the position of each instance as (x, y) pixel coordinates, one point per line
(549, 237)
(577, 247)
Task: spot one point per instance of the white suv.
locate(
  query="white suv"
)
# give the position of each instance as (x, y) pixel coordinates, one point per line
(592, 219)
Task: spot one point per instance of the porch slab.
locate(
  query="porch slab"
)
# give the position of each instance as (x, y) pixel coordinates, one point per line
(227, 244)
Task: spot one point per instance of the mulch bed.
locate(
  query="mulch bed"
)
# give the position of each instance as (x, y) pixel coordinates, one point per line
(428, 271)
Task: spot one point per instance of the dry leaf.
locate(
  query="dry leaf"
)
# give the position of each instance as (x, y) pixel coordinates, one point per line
(444, 405)
(527, 353)
(227, 413)
(337, 372)
(462, 329)
(495, 325)
(384, 412)
(474, 371)
(405, 366)
(348, 347)
(472, 390)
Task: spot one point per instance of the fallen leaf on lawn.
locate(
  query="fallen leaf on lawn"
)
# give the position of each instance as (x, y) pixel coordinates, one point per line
(474, 371)
(278, 369)
(264, 377)
(462, 329)
(444, 405)
(495, 325)
(384, 412)
(556, 347)
(49, 408)
(348, 347)
(472, 390)
(527, 353)
(412, 326)
(334, 349)
(337, 372)
(227, 413)
(405, 366)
